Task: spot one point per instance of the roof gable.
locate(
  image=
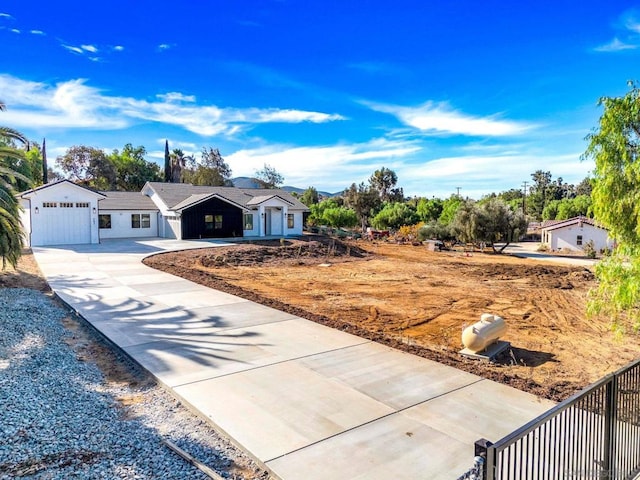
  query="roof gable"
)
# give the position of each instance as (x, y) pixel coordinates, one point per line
(180, 196)
(57, 184)
(580, 220)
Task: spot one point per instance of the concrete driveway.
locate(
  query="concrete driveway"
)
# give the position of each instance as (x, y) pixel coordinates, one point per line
(308, 401)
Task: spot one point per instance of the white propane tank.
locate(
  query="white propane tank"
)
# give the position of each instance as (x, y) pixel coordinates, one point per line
(481, 334)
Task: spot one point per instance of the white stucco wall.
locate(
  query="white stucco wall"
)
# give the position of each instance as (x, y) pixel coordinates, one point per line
(121, 224)
(566, 237)
(255, 231)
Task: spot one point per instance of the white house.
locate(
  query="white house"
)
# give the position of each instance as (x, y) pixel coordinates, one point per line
(573, 234)
(63, 212)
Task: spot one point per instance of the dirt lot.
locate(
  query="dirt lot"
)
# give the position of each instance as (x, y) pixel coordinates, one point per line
(420, 301)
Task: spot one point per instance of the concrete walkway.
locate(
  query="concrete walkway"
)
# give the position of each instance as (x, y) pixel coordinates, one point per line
(308, 401)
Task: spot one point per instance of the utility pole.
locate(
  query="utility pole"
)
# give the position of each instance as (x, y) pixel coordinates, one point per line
(524, 198)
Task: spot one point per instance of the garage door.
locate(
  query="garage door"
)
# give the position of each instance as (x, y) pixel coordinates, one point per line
(64, 223)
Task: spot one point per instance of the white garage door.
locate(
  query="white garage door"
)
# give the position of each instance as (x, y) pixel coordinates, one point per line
(64, 223)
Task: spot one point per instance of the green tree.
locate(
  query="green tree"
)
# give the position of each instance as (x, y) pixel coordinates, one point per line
(363, 200)
(395, 215)
(211, 170)
(132, 170)
(435, 230)
(317, 216)
(615, 148)
(310, 197)
(449, 208)
(339, 217)
(88, 166)
(268, 177)
(489, 222)
(384, 181)
(167, 162)
(429, 209)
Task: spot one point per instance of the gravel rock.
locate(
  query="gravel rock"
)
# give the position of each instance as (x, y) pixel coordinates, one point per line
(62, 419)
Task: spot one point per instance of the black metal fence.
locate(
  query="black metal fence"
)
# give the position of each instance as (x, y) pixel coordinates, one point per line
(594, 434)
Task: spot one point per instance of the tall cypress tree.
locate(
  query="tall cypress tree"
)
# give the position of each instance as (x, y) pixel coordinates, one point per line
(45, 177)
(167, 162)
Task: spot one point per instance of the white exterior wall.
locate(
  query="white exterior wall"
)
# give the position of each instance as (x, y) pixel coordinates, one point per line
(174, 228)
(61, 225)
(255, 231)
(121, 224)
(297, 224)
(566, 237)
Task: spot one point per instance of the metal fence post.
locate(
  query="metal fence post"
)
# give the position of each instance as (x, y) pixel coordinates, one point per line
(480, 451)
(610, 419)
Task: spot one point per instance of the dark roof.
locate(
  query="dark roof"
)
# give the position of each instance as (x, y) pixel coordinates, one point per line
(126, 201)
(26, 193)
(178, 196)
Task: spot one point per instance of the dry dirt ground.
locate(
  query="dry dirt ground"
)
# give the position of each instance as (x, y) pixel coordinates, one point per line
(420, 301)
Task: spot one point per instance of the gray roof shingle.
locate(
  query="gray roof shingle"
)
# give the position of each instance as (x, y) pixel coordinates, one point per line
(126, 201)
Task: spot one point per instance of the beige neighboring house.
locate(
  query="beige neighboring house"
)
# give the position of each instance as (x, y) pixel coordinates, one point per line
(573, 234)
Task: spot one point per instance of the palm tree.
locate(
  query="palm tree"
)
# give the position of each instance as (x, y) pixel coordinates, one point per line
(11, 238)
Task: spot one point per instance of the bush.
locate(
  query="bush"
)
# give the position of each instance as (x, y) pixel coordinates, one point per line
(590, 249)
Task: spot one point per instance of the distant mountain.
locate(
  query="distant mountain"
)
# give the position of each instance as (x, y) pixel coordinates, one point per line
(247, 182)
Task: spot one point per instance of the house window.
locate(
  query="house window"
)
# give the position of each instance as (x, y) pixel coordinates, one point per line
(49, 204)
(104, 221)
(579, 240)
(66, 204)
(82, 204)
(218, 221)
(290, 220)
(248, 221)
(208, 223)
(140, 220)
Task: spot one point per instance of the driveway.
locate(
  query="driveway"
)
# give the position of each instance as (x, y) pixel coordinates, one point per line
(308, 401)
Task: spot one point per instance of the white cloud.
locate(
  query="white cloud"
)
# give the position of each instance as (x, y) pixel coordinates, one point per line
(15, 30)
(165, 46)
(615, 45)
(89, 48)
(75, 104)
(73, 49)
(440, 118)
(176, 97)
(37, 32)
(478, 175)
(318, 165)
(118, 48)
(5, 15)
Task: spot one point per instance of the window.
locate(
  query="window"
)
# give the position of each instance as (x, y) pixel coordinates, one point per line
(208, 222)
(248, 221)
(82, 205)
(579, 240)
(212, 222)
(66, 204)
(140, 220)
(290, 220)
(49, 204)
(104, 221)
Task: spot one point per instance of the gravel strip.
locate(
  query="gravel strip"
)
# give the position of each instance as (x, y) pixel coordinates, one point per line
(63, 419)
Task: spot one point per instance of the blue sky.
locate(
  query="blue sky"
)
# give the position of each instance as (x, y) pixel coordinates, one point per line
(448, 94)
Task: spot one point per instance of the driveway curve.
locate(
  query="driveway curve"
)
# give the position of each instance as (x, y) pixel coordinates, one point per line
(307, 401)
